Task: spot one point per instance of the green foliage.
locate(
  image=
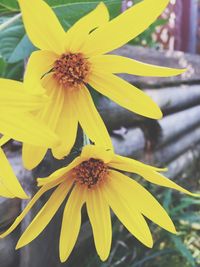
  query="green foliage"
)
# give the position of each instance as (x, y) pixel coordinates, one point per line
(182, 248)
(10, 5)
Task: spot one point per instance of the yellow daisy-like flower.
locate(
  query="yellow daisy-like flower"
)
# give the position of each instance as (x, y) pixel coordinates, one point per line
(18, 123)
(95, 178)
(70, 61)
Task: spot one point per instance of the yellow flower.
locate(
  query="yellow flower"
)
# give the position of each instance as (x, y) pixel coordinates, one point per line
(95, 178)
(16, 120)
(70, 61)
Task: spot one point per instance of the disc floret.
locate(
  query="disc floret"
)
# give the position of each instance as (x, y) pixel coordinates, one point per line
(90, 172)
(71, 70)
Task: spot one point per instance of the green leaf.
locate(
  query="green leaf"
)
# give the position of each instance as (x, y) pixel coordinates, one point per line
(2, 67)
(190, 217)
(23, 49)
(10, 38)
(69, 13)
(180, 246)
(15, 45)
(11, 5)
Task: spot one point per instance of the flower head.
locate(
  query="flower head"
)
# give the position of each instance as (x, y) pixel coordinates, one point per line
(94, 178)
(70, 61)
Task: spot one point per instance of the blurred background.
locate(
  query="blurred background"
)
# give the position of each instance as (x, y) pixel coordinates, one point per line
(174, 41)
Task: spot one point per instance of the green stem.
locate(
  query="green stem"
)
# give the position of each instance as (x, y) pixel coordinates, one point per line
(6, 24)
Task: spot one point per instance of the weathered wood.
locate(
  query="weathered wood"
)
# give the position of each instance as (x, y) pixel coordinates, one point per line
(179, 123)
(174, 149)
(173, 126)
(134, 145)
(173, 99)
(169, 99)
(184, 162)
(9, 257)
(163, 58)
(9, 209)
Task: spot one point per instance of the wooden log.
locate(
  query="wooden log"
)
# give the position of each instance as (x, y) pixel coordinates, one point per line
(163, 58)
(172, 99)
(174, 125)
(9, 257)
(134, 143)
(184, 162)
(172, 150)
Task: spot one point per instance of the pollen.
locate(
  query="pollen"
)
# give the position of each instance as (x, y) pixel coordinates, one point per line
(90, 172)
(71, 70)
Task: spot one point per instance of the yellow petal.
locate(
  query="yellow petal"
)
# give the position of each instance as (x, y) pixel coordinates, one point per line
(159, 179)
(26, 128)
(130, 165)
(45, 215)
(14, 97)
(125, 27)
(79, 32)
(4, 139)
(50, 115)
(90, 120)
(8, 178)
(91, 151)
(66, 127)
(4, 192)
(125, 94)
(28, 207)
(39, 64)
(148, 172)
(71, 222)
(59, 113)
(61, 173)
(119, 64)
(142, 200)
(127, 214)
(28, 151)
(99, 215)
(42, 25)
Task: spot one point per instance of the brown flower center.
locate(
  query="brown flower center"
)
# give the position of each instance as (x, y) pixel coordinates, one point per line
(90, 172)
(71, 70)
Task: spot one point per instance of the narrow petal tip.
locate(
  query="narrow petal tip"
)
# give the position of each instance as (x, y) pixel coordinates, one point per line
(104, 257)
(181, 71)
(18, 246)
(24, 196)
(194, 194)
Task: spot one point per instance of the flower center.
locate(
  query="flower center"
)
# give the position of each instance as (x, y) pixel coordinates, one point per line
(90, 172)
(71, 70)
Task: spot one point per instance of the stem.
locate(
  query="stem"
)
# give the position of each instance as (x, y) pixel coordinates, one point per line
(6, 24)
